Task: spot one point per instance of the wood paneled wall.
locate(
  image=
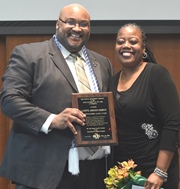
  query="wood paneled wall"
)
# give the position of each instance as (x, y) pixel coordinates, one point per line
(166, 49)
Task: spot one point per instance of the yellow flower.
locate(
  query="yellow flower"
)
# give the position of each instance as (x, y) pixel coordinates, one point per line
(138, 172)
(128, 165)
(121, 174)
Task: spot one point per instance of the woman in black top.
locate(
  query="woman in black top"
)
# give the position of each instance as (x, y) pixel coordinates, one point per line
(147, 111)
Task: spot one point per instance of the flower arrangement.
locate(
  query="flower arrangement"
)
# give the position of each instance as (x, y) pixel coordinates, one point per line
(123, 175)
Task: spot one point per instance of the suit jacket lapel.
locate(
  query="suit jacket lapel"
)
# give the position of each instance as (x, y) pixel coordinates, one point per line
(61, 64)
(96, 68)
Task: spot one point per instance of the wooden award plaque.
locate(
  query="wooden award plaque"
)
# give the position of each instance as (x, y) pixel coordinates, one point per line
(100, 127)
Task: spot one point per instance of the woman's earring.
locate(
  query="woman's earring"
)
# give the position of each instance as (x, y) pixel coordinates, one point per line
(145, 55)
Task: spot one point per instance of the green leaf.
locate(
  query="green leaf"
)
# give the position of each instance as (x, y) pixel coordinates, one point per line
(139, 180)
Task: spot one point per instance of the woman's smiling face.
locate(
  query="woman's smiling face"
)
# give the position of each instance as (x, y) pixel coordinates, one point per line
(129, 46)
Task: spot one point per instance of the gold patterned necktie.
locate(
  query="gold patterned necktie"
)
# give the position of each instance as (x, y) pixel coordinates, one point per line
(81, 74)
(83, 85)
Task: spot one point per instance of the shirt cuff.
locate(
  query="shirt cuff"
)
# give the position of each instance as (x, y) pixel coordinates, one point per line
(45, 127)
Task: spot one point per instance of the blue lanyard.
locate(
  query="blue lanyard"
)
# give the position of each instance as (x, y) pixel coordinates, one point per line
(93, 77)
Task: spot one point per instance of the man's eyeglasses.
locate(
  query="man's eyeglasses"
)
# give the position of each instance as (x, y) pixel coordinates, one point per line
(72, 23)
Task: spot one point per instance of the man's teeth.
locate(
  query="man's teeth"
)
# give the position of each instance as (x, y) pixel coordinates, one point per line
(75, 36)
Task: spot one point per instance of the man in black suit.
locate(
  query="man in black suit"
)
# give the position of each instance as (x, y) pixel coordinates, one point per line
(36, 95)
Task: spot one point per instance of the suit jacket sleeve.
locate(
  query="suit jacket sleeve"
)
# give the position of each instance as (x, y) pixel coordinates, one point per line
(16, 94)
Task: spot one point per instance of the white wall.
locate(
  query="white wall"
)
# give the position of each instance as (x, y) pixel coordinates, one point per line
(19, 10)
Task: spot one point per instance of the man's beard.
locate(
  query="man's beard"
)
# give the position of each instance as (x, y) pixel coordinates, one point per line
(71, 48)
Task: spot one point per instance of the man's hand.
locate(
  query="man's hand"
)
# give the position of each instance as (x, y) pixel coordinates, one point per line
(66, 118)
